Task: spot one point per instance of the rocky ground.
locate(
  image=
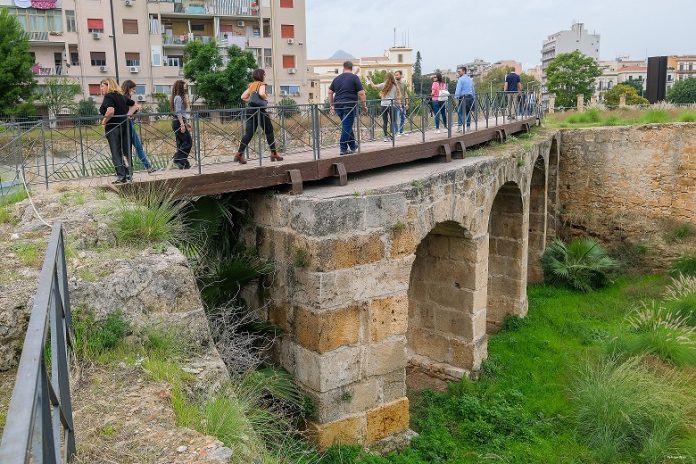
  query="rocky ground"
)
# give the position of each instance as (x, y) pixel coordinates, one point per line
(121, 416)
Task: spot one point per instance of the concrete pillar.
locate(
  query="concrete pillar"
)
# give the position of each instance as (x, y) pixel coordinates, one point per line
(552, 104)
(581, 103)
(593, 101)
(622, 100)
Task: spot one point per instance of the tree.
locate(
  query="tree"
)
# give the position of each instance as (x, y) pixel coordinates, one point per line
(376, 77)
(569, 75)
(17, 82)
(58, 94)
(220, 87)
(495, 78)
(636, 84)
(417, 71)
(683, 91)
(288, 107)
(611, 97)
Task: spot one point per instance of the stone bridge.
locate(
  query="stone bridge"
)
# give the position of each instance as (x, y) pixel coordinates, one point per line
(411, 266)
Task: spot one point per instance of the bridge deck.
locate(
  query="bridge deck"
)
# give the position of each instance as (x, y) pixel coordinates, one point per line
(225, 177)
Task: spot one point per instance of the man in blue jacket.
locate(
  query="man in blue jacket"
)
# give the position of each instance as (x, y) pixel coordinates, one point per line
(466, 95)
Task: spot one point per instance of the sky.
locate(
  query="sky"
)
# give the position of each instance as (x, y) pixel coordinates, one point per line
(449, 32)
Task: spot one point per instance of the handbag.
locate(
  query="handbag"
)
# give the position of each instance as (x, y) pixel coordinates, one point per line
(255, 100)
(444, 94)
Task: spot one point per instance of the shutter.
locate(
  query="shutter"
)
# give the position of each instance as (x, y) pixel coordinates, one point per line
(133, 56)
(288, 61)
(287, 31)
(286, 4)
(97, 55)
(95, 24)
(130, 26)
(94, 89)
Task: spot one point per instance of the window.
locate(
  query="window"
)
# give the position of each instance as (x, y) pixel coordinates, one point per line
(74, 58)
(400, 57)
(156, 54)
(269, 89)
(266, 27)
(140, 89)
(70, 24)
(267, 58)
(165, 89)
(175, 61)
(197, 27)
(288, 61)
(336, 71)
(256, 32)
(286, 4)
(311, 96)
(33, 20)
(287, 31)
(94, 89)
(132, 59)
(95, 25)
(311, 84)
(292, 90)
(97, 58)
(130, 26)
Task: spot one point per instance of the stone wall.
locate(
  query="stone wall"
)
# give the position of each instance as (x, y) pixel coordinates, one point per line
(630, 185)
(366, 283)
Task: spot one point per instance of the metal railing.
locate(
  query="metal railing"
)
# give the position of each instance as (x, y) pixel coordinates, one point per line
(55, 150)
(39, 425)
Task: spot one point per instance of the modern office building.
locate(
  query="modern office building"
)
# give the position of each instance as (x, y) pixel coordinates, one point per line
(144, 40)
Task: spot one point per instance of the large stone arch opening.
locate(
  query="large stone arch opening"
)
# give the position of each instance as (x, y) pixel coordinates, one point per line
(507, 257)
(537, 221)
(447, 302)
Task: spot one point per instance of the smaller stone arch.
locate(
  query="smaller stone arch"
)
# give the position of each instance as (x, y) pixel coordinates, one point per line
(507, 256)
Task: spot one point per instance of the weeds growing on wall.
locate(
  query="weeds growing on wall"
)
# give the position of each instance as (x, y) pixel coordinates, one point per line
(582, 265)
(685, 265)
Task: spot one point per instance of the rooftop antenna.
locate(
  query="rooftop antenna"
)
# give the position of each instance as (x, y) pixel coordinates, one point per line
(395, 37)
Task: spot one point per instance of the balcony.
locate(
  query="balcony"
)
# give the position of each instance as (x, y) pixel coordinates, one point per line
(39, 70)
(237, 8)
(181, 40)
(226, 40)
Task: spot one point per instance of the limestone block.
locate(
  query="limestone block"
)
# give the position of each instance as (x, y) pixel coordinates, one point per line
(385, 356)
(393, 385)
(349, 430)
(403, 243)
(339, 253)
(324, 372)
(282, 316)
(345, 401)
(468, 355)
(385, 210)
(454, 322)
(272, 211)
(388, 316)
(319, 218)
(469, 250)
(387, 420)
(326, 331)
(421, 313)
(430, 343)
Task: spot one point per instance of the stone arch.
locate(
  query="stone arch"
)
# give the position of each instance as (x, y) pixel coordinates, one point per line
(446, 302)
(536, 242)
(552, 189)
(507, 256)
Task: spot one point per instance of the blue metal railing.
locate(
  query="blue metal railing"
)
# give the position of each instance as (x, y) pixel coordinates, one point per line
(39, 425)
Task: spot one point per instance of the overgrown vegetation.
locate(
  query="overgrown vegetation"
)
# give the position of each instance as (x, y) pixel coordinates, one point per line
(685, 265)
(582, 265)
(595, 117)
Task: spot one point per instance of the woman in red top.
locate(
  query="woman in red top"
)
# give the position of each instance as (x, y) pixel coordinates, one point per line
(439, 107)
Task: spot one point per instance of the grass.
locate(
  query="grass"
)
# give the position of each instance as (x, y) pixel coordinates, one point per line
(300, 257)
(94, 338)
(685, 265)
(29, 254)
(529, 404)
(6, 216)
(619, 117)
(680, 233)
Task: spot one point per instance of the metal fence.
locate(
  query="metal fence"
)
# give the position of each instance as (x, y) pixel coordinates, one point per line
(54, 150)
(39, 426)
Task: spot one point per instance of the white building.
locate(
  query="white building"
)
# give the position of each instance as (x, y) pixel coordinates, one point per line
(577, 38)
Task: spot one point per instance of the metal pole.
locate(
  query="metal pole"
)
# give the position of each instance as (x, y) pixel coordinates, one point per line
(449, 117)
(43, 138)
(197, 132)
(259, 126)
(422, 114)
(392, 110)
(113, 38)
(82, 150)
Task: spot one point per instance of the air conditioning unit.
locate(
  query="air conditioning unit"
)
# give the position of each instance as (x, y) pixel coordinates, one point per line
(292, 70)
(134, 69)
(283, 92)
(96, 35)
(128, 2)
(103, 68)
(240, 23)
(140, 98)
(291, 41)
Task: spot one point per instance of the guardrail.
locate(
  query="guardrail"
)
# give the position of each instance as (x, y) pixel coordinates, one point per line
(55, 150)
(39, 426)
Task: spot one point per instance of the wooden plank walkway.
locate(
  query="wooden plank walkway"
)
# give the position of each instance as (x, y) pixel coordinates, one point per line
(296, 168)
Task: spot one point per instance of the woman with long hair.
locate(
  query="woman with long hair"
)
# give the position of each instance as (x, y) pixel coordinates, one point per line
(115, 109)
(439, 107)
(257, 99)
(178, 104)
(128, 87)
(391, 99)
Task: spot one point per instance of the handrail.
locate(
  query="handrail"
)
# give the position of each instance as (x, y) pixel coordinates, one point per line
(39, 425)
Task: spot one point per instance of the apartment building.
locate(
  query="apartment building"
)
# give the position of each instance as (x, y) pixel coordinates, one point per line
(394, 59)
(144, 40)
(577, 38)
(684, 66)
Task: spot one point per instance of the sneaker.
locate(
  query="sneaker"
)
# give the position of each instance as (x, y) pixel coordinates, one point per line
(437, 131)
(401, 134)
(387, 139)
(119, 181)
(344, 153)
(459, 129)
(152, 170)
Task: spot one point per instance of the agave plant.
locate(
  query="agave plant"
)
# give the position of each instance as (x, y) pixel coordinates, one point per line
(582, 265)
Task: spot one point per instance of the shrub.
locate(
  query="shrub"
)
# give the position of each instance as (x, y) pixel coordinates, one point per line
(92, 337)
(591, 116)
(150, 216)
(623, 408)
(655, 117)
(680, 298)
(583, 265)
(680, 232)
(688, 116)
(686, 265)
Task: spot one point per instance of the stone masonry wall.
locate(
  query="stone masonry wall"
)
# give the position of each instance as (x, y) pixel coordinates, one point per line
(630, 184)
(366, 283)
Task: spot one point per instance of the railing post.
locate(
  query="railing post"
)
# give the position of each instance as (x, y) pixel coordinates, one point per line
(423, 110)
(316, 130)
(43, 139)
(82, 150)
(394, 123)
(197, 139)
(358, 133)
(449, 115)
(259, 137)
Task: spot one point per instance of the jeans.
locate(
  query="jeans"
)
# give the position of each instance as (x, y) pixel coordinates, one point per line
(118, 144)
(135, 140)
(401, 112)
(513, 104)
(347, 115)
(184, 142)
(254, 117)
(388, 116)
(440, 109)
(464, 111)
